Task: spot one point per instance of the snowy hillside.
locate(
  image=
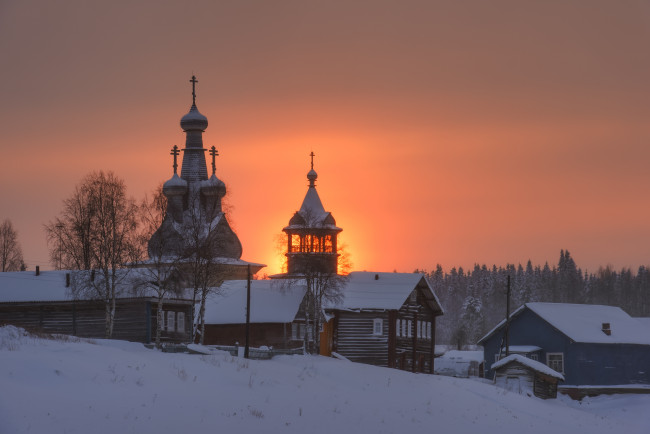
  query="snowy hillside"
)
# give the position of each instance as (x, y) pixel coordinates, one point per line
(59, 386)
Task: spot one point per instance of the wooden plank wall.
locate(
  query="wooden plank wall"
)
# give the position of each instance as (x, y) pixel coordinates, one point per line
(354, 338)
(276, 335)
(87, 318)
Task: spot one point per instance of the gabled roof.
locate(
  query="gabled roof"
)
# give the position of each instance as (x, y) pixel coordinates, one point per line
(271, 302)
(387, 291)
(532, 364)
(583, 323)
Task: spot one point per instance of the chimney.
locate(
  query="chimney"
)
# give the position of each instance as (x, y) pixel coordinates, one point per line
(67, 280)
(376, 276)
(606, 329)
(38, 271)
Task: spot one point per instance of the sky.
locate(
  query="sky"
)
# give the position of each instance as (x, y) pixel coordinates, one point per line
(444, 132)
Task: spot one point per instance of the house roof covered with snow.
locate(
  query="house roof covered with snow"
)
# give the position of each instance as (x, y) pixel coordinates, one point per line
(532, 364)
(271, 302)
(50, 286)
(584, 323)
(388, 291)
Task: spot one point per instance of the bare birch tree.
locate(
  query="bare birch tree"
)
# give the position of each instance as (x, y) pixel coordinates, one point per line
(97, 230)
(11, 255)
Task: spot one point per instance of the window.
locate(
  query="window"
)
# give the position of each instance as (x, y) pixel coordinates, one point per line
(171, 326)
(533, 357)
(555, 361)
(419, 329)
(405, 329)
(409, 328)
(181, 322)
(295, 331)
(398, 329)
(428, 330)
(378, 327)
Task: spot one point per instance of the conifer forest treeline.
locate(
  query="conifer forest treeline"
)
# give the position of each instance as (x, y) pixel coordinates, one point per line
(475, 301)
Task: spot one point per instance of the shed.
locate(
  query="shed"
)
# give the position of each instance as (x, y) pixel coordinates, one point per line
(520, 374)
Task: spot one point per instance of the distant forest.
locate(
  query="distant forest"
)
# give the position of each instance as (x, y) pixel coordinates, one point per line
(475, 301)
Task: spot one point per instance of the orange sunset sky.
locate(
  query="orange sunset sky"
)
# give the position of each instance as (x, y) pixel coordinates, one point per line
(444, 132)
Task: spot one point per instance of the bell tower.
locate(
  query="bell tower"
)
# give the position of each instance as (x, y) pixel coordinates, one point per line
(312, 234)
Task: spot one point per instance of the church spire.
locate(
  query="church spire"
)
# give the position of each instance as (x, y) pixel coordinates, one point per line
(194, 123)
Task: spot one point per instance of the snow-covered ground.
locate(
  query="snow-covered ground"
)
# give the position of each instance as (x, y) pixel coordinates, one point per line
(72, 386)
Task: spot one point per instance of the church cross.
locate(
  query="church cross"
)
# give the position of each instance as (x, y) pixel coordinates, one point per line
(194, 81)
(312, 159)
(214, 153)
(175, 153)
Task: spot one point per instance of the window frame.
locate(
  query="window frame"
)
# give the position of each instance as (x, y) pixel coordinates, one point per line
(375, 330)
(548, 361)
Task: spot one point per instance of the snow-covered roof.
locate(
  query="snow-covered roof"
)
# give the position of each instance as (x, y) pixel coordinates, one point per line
(532, 364)
(312, 205)
(370, 290)
(583, 323)
(271, 302)
(26, 286)
(462, 356)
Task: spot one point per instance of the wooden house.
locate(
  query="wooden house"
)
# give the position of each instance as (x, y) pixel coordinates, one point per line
(590, 345)
(274, 308)
(386, 319)
(522, 375)
(44, 302)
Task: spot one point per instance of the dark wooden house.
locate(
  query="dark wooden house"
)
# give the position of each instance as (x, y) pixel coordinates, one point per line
(386, 319)
(44, 302)
(590, 345)
(522, 375)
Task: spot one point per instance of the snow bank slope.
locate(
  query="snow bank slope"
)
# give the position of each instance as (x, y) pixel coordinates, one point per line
(51, 386)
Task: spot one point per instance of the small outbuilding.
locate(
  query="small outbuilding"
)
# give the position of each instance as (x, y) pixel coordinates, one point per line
(274, 307)
(520, 374)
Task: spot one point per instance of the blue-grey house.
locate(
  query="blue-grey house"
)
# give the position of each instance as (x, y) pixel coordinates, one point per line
(590, 345)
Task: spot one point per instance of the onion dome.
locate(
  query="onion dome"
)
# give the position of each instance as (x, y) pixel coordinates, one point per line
(194, 120)
(213, 186)
(175, 185)
(312, 176)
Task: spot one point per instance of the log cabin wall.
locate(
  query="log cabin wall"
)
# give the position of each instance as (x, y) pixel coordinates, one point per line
(354, 338)
(86, 319)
